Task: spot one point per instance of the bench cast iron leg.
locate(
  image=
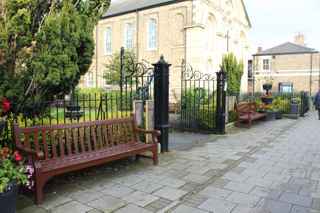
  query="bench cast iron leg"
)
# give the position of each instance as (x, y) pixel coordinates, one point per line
(39, 190)
(155, 155)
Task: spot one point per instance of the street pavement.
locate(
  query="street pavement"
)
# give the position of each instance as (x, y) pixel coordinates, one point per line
(274, 167)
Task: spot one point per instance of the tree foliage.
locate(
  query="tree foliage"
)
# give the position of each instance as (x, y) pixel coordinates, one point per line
(113, 66)
(234, 70)
(45, 47)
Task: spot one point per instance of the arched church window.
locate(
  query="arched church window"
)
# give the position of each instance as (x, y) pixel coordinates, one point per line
(211, 31)
(178, 29)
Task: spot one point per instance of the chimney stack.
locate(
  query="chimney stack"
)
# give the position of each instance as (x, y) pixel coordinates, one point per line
(299, 39)
(260, 49)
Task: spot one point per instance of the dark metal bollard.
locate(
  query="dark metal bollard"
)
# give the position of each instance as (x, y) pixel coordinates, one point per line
(161, 102)
(221, 103)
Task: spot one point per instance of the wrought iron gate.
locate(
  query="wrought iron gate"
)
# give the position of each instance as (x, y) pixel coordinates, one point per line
(198, 100)
(135, 83)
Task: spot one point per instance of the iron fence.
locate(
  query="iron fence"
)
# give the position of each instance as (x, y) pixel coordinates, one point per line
(198, 100)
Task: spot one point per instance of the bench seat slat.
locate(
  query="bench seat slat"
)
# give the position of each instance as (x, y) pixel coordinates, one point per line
(69, 161)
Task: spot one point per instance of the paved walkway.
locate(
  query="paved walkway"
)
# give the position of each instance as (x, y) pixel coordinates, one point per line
(273, 167)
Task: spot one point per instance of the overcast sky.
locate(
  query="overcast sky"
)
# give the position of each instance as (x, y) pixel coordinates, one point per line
(277, 21)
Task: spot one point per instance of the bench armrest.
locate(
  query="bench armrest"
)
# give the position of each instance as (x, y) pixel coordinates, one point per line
(28, 151)
(155, 133)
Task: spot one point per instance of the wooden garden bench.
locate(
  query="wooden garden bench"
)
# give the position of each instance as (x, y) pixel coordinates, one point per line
(60, 149)
(247, 112)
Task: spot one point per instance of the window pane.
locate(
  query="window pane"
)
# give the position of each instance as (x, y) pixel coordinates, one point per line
(108, 41)
(286, 87)
(266, 65)
(152, 34)
(128, 36)
(90, 80)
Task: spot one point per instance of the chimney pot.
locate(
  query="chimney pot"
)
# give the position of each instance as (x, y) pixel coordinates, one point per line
(299, 39)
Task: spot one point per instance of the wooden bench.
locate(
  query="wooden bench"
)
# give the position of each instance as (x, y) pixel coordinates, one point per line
(247, 112)
(60, 149)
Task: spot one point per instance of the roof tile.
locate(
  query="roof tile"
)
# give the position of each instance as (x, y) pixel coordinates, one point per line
(287, 48)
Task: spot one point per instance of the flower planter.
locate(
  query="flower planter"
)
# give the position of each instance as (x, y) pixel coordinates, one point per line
(278, 115)
(8, 199)
(271, 115)
(267, 87)
(267, 100)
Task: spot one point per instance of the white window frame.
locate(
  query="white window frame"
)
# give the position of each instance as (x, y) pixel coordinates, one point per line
(286, 87)
(152, 38)
(128, 35)
(266, 66)
(90, 79)
(108, 41)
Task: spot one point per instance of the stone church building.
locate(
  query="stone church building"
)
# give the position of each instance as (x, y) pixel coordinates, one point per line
(197, 31)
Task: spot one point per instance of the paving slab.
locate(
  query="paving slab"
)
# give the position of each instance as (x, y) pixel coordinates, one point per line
(107, 203)
(187, 209)
(147, 186)
(215, 192)
(117, 190)
(140, 198)
(244, 199)
(217, 205)
(132, 209)
(273, 206)
(85, 196)
(296, 199)
(170, 193)
(73, 206)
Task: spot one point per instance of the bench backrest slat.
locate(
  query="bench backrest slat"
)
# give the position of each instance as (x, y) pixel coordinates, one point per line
(105, 138)
(82, 138)
(53, 142)
(94, 138)
(245, 107)
(59, 141)
(45, 144)
(26, 142)
(61, 144)
(87, 139)
(109, 135)
(75, 134)
(68, 141)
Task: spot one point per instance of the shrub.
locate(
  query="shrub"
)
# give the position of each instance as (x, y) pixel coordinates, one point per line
(234, 70)
(206, 117)
(232, 116)
(45, 48)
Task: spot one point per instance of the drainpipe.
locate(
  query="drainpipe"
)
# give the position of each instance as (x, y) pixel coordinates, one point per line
(137, 34)
(311, 67)
(96, 44)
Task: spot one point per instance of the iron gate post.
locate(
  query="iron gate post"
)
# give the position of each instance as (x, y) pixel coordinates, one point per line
(121, 76)
(161, 101)
(221, 102)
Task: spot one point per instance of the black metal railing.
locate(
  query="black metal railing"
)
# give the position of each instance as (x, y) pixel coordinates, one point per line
(198, 100)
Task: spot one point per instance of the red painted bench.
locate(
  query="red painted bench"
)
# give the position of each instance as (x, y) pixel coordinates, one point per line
(60, 149)
(247, 112)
